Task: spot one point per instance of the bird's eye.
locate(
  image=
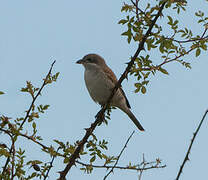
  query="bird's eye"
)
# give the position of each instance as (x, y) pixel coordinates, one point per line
(88, 59)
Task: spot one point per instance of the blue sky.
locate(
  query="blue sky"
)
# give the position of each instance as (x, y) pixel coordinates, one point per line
(34, 33)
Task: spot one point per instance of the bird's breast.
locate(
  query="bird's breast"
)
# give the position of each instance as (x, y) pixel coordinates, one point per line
(98, 85)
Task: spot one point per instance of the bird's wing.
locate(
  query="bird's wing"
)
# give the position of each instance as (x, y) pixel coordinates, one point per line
(113, 78)
(127, 102)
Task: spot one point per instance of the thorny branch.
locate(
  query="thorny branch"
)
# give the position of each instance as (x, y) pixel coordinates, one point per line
(190, 146)
(100, 114)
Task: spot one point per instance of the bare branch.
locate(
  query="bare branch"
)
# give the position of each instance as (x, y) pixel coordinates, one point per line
(190, 146)
(143, 164)
(124, 168)
(111, 171)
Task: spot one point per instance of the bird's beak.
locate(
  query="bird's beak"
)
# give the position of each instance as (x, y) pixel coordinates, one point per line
(81, 61)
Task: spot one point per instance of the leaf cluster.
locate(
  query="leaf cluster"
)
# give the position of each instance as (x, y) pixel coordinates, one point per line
(173, 47)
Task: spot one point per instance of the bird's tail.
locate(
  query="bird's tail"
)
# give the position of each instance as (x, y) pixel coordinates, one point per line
(133, 118)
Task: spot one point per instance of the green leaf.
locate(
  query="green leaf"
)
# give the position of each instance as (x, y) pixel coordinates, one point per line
(138, 85)
(60, 143)
(123, 21)
(35, 114)
(45, 107)
(4, 152)
(129, 34)
(143, 90)
(100, 156)
(33, 175)
(170, 20)
(1, 92)
(204, 47)
(135, 29)
(186, 64)
(54, 77)
(146, 75)
(163, 71)
(198, 52)
(34, 125)
(66, 160)
(93, 159)
(127, 8)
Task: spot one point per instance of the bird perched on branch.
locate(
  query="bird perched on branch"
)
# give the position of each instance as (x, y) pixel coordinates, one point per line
(100, 81)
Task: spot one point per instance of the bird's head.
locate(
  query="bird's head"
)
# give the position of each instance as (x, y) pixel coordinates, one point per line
(92, 60)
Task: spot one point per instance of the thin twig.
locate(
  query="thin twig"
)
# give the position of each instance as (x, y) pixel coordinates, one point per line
(190, 146)
(175, 58)
(189, 40)
(143, 164)
(111, 171)
(7, 132)
(100, 114)
(26, 136)
(11, 148)
(51, 164)
(13, 159)
(10, 151)
(166, 61)
(202, 37)
(38, 94)
(28, 112)
(122, 167)
(137, 7)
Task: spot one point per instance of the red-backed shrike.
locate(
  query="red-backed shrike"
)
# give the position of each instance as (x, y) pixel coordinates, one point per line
(100, 81)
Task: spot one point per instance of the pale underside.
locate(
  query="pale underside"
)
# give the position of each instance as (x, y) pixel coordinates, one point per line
(100, 87)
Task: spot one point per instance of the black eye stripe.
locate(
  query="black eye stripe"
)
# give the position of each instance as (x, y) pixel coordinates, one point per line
(90, 60)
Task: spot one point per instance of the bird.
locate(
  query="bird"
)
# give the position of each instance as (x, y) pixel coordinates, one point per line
(100, 81)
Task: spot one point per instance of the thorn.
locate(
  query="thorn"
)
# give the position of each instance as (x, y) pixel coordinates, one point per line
(126, 75)
(86, 129)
